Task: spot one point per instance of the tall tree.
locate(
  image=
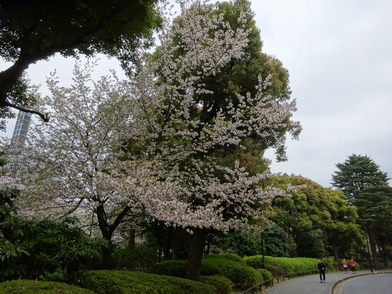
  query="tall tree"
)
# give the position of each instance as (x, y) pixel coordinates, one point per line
(366, 186)
(32, 30)
(192, 130)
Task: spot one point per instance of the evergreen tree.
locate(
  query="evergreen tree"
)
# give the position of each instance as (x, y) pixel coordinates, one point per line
(356, 174)
(366, 186)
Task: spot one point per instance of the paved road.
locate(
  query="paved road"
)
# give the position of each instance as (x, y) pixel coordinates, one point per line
(311, 284)
(375, 284)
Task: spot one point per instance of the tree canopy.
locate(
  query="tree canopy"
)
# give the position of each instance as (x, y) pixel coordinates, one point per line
(32, 30)
(356, 174)
(317, 219)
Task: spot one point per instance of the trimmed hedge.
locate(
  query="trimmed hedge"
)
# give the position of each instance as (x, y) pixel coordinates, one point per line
(242, 275)
(39, 287)
(230, 256)
(289, 265)
(230, 266)
(267, 275)
(222, 285)
(126, 282)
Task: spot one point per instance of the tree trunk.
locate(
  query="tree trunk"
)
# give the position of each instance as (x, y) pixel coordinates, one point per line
(168, 245)
(373, 249)
(107, 231)
(107, 256)
(131, 239)
(195, 254)
(336, 254)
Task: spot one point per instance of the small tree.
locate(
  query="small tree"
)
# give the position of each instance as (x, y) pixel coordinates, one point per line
(73, 165)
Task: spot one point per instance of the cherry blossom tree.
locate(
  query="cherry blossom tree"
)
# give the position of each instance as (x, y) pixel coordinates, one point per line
(168, 88)
(73, 164)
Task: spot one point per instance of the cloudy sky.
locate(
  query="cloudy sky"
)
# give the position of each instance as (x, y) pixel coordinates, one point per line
(339, 56)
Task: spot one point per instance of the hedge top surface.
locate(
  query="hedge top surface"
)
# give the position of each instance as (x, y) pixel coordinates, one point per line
(39, 287)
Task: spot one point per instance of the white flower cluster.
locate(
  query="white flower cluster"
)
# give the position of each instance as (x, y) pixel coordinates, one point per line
(7, 182)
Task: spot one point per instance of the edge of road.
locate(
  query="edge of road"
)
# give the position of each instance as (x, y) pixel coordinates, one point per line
(337, 286)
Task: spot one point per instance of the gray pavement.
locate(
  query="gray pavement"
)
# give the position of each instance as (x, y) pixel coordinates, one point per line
(311, 284)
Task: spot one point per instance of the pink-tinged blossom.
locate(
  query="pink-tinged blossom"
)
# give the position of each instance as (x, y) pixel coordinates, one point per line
(10, 183)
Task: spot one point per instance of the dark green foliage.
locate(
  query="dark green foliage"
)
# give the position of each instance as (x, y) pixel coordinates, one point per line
(357, 174)
(39, 287)
(126, 282)
(276, 241)
(243, 244)
(34, 249)
(140, 258)
(175, 268)
(221, 284)
(310, 245)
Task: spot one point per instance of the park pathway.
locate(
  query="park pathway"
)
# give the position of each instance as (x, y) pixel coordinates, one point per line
(311, 284)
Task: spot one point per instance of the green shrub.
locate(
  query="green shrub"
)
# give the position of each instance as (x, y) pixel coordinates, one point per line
(267, 275)
(242, 275)
(126, 282)
(330, 263)
(221, 284)
(39, 287)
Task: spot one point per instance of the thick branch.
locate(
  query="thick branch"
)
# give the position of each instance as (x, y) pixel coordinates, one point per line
(44, 117)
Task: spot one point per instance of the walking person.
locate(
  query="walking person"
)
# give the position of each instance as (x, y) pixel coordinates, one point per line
(321, 270)
(352, 263)
(344, 263)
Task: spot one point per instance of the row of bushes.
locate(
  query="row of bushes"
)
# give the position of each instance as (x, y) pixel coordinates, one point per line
(230, 266)
(219, 274)
(120, 282)
(283, 265)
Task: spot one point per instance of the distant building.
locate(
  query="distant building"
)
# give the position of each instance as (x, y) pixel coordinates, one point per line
(21, 127)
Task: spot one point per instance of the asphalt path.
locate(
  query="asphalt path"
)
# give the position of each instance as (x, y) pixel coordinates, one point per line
(334, 283)
(374, 284)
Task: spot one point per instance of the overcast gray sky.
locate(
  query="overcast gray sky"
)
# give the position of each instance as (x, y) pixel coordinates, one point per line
(339, 56)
